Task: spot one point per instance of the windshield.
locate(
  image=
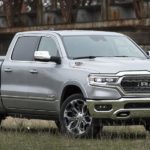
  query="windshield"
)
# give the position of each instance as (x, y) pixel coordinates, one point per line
(92, 46)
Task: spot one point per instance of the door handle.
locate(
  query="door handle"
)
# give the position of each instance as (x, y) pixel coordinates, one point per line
(33, 71)
(8, 70)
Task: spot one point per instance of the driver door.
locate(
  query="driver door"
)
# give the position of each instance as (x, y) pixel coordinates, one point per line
(42, 81)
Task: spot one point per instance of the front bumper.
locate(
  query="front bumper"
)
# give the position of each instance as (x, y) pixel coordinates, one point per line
(118, 110)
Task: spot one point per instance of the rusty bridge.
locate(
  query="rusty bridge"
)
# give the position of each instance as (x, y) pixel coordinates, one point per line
(131, 17)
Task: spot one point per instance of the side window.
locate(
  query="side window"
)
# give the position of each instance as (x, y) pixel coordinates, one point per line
(48, 44)
(25, 48)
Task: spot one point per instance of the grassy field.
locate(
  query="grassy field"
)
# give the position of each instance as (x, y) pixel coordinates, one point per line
(21, 134)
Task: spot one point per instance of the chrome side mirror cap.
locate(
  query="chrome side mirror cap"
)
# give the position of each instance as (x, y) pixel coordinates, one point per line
(148, 53)
(45, 56)
(42, 55)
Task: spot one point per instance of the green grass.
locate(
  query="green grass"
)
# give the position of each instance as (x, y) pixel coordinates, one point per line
(42, 135)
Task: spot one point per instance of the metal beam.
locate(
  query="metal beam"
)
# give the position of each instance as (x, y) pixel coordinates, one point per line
(133, 23)
(141, 37)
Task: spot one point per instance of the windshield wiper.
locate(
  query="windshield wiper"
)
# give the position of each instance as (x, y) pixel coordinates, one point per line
(85, 57)
(120, 56)
(92, 57)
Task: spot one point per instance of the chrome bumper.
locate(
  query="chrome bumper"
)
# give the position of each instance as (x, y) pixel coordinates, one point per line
(118, 108)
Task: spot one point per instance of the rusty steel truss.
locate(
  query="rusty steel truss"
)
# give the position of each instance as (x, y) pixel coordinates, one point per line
(131, 17)
(69, 8)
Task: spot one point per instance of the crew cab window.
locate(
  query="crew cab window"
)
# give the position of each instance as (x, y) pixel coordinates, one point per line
(25, 48)
(48, 44)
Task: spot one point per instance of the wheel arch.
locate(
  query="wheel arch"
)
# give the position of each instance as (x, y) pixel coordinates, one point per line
(70, 89)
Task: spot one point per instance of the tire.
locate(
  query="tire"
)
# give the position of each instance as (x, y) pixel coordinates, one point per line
(147, 127)
(57, 122)
(75, 119)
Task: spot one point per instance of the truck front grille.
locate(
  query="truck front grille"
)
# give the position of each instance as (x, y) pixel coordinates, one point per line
(136, 84)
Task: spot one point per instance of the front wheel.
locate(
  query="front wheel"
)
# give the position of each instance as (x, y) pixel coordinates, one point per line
(75, 119)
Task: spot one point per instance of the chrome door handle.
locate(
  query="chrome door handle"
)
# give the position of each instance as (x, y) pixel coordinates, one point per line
(33, 71)
(8, 70)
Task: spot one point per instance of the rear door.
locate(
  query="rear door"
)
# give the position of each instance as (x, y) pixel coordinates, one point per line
(15, 73)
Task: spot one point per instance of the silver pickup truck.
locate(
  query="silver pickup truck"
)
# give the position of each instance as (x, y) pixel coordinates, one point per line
(80, 79)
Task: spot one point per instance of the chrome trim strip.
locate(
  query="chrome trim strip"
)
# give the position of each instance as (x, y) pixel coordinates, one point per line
(123, 73)
(30, 97)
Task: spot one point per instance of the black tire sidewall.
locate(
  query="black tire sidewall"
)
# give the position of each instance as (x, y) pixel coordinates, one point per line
(90, 131)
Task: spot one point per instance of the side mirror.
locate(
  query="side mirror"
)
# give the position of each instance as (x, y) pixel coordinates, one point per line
(45, 56)
(148, 53)
(42, 55)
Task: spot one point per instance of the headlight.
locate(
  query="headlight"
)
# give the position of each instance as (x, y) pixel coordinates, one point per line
(102, 80)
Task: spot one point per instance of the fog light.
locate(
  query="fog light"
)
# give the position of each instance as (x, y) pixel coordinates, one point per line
(103, 107)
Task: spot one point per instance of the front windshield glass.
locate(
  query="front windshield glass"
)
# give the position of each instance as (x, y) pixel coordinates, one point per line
(79, 46)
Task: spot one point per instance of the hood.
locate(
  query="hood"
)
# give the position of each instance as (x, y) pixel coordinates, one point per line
(112, 65)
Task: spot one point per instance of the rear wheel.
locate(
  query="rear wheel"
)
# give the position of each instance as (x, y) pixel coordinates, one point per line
(75, 119)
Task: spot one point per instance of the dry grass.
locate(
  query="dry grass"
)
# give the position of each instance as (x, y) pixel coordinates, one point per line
(23, 134)
(25, 123)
